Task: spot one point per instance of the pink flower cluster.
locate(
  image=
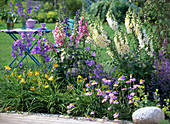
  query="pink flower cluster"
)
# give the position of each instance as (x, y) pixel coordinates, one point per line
(59, 36)
(82, 31)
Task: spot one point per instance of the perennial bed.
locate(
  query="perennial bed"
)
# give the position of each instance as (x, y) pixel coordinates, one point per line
(72, 81)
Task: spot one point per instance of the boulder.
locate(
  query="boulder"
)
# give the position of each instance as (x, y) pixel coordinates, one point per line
(148, 115)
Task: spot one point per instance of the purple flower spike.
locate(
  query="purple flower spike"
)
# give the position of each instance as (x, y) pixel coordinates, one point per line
(10, 4)
(16, 4)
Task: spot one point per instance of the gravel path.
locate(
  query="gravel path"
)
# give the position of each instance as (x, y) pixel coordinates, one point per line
(25, 118)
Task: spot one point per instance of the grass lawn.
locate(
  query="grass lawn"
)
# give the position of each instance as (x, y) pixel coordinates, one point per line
(6, 43)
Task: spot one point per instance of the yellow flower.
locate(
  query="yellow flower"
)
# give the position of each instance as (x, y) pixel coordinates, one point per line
(12, 74)
(7, 68)
(37, 73)
(33, 88)
(51, 78)
(79, 76)
(46, 83)
(19, 76)
(22, 80)
(34, 79)
(46, 86)
(29, 74)
(156, 90)
(55, 65)
(46, 76)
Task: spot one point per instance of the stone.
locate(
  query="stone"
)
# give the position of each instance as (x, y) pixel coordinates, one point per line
(148, 115)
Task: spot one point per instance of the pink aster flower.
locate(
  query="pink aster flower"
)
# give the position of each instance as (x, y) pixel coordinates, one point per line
(106, 97)
(100, 93)
(124, 89)
(109, 108)
(87, 85)
(129, 81)
(92, 113)
(121, 78)
(111, 100)
(135, 86)
(104, 100)
(88, 94)
(68, 111)
(142, 81)
(116, 115)
(108, 91)
(133, 79)
(129, 97)
(115, 92)
(130, 102)
(132, 94)
(115, 102)
(98, 90)
(94, 83)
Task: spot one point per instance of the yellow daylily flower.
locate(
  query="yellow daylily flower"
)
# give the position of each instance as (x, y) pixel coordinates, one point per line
(46, 76)
(37, 73)
(19, 76)
(46, 86)
(79, 76)
(51, 78)
(7, 68)
(55, 65)
(29, 74)
(12, 74)
(34, 79)
(33, 88)
(22, 80)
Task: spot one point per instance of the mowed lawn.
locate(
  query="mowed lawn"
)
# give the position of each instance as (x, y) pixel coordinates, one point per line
(6, 43)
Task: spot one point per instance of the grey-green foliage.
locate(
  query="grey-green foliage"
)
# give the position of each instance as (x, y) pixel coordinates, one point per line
(100, 8)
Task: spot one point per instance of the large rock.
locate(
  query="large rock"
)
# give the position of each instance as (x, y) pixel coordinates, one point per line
(148, 115)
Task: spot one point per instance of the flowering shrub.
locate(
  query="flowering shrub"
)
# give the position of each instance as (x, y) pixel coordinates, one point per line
(161, 74)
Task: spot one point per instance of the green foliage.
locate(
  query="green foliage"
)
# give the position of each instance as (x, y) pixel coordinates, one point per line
(100, 9)
(50, 16)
